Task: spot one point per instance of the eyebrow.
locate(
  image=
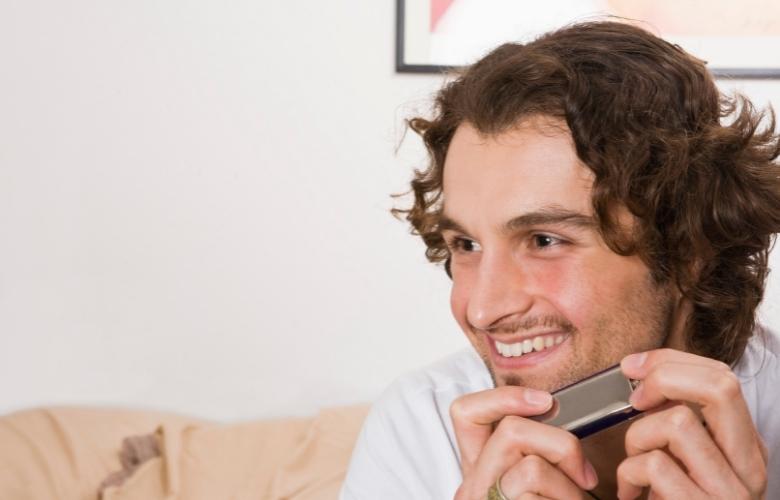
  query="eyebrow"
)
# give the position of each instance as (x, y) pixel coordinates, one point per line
(547, 215)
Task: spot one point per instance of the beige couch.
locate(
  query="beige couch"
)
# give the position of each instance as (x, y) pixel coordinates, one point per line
(81, 453)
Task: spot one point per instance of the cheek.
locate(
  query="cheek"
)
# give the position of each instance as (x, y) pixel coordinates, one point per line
(560, 288)
(569, 288)
(588, 292)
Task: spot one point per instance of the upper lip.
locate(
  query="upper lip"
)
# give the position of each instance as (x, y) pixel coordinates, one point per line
(519, 338)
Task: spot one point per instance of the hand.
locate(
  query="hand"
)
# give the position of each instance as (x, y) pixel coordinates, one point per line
(671, 451)
(528, 456)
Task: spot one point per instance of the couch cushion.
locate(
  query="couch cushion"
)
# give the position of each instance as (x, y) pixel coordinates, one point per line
(68, 452)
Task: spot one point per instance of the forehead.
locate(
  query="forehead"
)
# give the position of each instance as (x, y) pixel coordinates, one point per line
(534, 166)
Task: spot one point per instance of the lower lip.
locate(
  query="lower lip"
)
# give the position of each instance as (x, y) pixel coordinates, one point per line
(526, 360)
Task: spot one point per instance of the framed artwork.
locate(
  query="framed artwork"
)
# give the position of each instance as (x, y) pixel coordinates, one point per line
(737, 39)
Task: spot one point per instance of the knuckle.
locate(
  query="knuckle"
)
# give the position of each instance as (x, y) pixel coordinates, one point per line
(682, 418)
(532, 469)
(457, 410)
(531, 473)
(628, 471)
(570, 446)
(657, 462)
(721, 366)
(507, 428)
(727, 386)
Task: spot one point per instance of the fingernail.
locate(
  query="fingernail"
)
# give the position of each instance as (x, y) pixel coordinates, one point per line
(537, 398)
(635, 360)
(591, 479)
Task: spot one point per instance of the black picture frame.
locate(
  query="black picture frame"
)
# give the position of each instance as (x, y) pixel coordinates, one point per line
(402, 66)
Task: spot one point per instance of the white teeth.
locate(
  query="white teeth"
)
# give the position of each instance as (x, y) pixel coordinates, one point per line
(529, 345)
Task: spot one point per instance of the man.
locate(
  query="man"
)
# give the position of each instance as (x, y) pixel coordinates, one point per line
(594, 206)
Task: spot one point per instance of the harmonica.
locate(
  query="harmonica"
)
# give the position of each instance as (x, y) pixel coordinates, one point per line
(597, 410)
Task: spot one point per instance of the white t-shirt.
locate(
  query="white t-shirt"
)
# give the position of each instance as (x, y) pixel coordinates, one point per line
(407, 447)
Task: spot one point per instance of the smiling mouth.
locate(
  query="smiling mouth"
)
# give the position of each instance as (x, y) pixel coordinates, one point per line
(529, 345)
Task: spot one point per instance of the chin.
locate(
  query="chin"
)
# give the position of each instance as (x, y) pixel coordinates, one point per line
(541, 382)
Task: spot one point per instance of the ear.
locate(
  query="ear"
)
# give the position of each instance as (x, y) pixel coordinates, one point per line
(683, 308)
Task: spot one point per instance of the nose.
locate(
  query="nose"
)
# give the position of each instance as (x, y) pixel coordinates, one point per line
(501, 290)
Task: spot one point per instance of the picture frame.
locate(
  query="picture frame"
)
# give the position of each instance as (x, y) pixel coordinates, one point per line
(735, 39)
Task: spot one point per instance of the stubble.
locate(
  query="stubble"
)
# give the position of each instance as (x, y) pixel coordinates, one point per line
(641, 323)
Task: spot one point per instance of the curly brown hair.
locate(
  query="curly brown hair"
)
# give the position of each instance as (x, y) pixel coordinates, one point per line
(648, 120)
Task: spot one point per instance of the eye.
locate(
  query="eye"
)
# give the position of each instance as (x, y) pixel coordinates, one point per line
(459, 244)
(545, 241)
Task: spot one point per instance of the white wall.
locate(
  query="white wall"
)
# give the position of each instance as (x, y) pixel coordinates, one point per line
(194, 207)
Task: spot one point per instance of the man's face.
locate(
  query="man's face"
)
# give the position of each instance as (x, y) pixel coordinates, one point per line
(529, 267)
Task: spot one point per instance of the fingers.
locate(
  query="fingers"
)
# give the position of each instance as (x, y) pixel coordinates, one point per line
(473, 416)
(516, 438)
(669, 375)
(680, 429)
(531, 496)
(534, 477)
(657, 471)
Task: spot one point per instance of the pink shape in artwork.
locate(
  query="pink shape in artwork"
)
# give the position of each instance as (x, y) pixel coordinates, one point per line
(438, 8)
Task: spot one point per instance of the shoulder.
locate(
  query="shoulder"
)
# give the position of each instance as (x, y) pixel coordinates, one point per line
(462, 371)
(759, 373)
(760, 363)
(407, 447)
(424, 395)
